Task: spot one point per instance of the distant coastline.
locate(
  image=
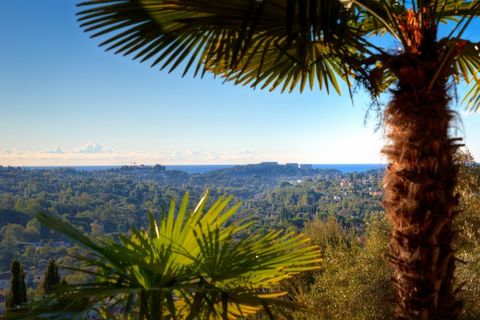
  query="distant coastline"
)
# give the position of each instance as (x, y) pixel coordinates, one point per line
(345, 168)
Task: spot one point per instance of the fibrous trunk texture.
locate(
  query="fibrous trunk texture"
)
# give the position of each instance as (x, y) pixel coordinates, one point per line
(420, 202)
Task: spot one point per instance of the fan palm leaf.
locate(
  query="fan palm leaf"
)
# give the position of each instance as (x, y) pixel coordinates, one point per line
(467, 67)
(246, 41)
(186, 264)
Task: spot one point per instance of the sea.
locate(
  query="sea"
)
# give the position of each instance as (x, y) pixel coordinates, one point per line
(345, 168)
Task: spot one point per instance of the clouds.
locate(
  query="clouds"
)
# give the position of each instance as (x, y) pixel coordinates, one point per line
(93, 147)
(56, 150)
(93, 153)
(89, 154)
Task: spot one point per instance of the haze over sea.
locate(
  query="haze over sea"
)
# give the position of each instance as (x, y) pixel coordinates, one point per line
(345, 168)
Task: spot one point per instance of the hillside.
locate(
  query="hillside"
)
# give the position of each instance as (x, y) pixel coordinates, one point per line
(110, 201)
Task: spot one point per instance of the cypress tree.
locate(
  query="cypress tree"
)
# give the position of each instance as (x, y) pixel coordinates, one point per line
(18, 290)
(51, 278)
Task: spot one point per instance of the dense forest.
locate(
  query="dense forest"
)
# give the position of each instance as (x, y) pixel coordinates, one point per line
(107, 202)
(340, 212)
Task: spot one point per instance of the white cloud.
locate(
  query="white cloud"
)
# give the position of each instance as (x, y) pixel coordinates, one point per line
(95, 154)
(92, 153)
(93, 147)
(56, 150)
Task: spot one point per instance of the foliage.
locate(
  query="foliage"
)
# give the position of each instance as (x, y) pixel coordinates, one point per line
(354, 281)
(17, 294)
(289, 44)
(186, 265)
(51, 279)
(108, 202)
(294, 43)
(468, 245)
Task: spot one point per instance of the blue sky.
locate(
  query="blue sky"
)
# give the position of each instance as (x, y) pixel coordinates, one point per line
(64, 101)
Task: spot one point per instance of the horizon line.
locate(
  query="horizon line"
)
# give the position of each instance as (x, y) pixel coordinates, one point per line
(191, 164)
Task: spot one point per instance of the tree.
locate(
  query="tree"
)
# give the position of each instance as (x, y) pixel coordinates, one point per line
(290, 44)
(51, 279)
(187, 265)
(354, 284)
(469, 238)
(18, 290)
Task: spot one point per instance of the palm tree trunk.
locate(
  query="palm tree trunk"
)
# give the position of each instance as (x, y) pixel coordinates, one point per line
(420, 201)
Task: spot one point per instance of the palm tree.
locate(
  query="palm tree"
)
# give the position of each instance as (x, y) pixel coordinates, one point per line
(189, 264)
(388, 46)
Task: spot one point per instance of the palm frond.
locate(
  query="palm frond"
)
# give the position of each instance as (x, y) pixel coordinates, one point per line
(452, 9)
(467, 67)
(277, 43)
(186, 264)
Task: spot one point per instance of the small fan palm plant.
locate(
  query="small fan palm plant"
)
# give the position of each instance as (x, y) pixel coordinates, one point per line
(386, 45)
(186, 265)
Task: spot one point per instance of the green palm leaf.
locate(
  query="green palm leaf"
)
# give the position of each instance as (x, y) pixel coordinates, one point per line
(284, 44)
(452, 9)
(467, 67)
(276, 44)
(187, 264)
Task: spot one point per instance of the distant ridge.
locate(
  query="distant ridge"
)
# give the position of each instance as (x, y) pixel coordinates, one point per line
(344, 168)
